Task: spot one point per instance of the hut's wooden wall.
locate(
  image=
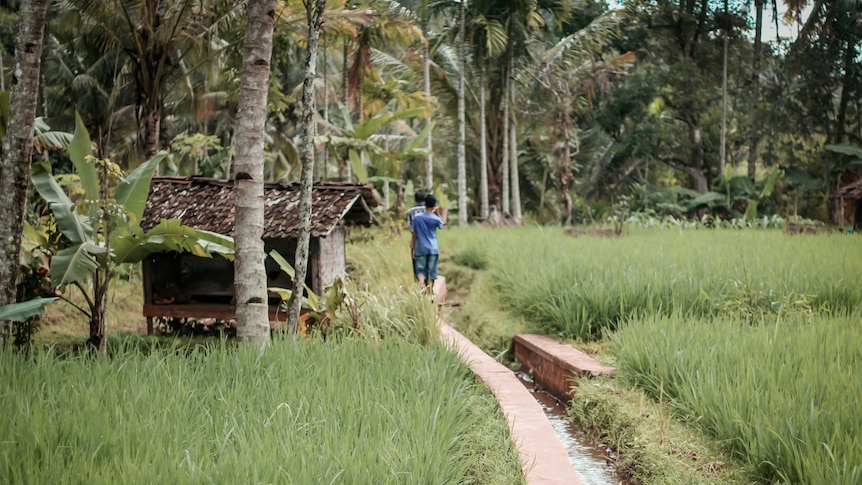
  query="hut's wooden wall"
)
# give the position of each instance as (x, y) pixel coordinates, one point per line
(331, 258)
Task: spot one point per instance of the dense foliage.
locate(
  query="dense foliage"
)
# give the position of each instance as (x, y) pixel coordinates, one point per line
(606, 101)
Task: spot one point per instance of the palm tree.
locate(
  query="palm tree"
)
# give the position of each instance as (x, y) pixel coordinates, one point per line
(462, 122)
(252, 309)
(155, 37)
(18, 141)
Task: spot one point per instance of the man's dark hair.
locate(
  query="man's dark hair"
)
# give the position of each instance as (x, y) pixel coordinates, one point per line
(419, 196)
(430, 201)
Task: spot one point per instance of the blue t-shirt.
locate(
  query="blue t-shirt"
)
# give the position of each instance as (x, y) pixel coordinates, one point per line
(425, 226)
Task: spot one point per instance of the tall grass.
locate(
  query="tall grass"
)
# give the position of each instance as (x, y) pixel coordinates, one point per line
(581, 287)
(352, 411)
(785, 395)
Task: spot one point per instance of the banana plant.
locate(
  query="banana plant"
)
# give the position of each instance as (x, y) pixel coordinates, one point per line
(356, 138)
(101, 230)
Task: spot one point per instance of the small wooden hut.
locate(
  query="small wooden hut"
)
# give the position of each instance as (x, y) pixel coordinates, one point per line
(181, 285)
(849, 199)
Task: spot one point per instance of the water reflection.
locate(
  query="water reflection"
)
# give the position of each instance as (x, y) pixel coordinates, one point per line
(591, 464)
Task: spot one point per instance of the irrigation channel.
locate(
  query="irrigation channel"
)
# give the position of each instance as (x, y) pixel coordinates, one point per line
(591, 463)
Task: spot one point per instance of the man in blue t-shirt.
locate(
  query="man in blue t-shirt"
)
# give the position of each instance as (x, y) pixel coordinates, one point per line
(418, 208)
(425, 250)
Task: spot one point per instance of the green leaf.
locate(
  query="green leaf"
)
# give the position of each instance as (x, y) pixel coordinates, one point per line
(357, 166)
(170, 235)
(845, 149)
(312, 301)
(751, 211)
(132, 192)
(75, 263)
(282, 293)
(769, 185)
(703, 199)
(78, 151)
(282, 263)
(69, 222)
(415, 143)
(20, 312)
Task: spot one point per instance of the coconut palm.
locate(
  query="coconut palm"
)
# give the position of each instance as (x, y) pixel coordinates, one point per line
(156, 39)
(252, 309)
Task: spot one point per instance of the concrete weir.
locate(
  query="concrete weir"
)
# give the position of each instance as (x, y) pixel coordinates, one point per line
(554, 363)
(544, 460)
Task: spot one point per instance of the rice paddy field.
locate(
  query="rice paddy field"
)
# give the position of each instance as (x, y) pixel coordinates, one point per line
(753, 336)
(352, 411)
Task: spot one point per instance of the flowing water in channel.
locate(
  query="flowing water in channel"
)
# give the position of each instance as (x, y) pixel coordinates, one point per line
(591, 464)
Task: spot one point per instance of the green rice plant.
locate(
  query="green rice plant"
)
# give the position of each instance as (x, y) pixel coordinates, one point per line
(784, 395)
(582, 287)
(346, 411)
(472, 257)
(646, 442)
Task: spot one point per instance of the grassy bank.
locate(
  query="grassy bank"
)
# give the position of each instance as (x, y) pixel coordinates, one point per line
(335, 412)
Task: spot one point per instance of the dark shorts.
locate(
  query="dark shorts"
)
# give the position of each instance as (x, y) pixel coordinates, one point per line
(426, 265)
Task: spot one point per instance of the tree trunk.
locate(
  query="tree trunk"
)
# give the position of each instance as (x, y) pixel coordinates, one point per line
(722, 157)
(314, 15)
(513, 146)
(504, 166)
(252, 315)
(18, 143)
(483, 149)
(324, 157)
(462, 122)
(755, 87)
(345, 86)
(429, 145)
(152, 126)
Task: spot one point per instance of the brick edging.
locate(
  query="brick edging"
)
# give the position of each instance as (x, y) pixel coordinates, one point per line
(543, 458)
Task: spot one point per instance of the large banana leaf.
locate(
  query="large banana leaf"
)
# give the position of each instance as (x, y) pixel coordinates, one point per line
(79, 149)
(132, 192)
(706, 198)
(76, 228)
(312, 301)
(75, 263)
(169, 235)
(20, 312)
(358, 167)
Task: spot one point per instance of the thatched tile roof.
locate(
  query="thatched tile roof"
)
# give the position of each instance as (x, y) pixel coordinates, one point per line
(208, 204)
(851, 191)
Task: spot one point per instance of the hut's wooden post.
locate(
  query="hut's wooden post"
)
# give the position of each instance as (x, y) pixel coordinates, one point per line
(841, 214)
(150, 326)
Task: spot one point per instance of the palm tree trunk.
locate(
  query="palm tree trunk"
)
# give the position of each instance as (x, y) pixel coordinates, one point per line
(722, 158)
(462, 122)
(429, 145)
(314, 15)
(504, 166)
(18, 143)
(252, 315)
(345, 87)
(513, 146)
(324, 157)
(483, 149)
(755, 85)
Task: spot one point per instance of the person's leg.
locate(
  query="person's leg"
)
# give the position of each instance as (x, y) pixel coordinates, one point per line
(432, 271)
(419, 267)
